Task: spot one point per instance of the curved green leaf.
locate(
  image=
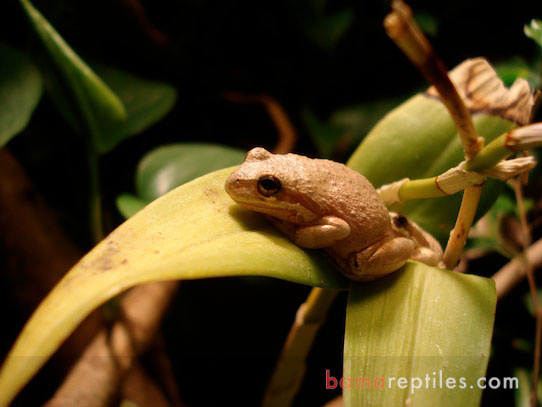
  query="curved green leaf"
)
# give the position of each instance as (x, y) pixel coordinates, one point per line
(418, 140)
(128, 204)
(172, 165)
(20, 91)
(87, 101)
(195, 231)
(419, 324)
(145, 101)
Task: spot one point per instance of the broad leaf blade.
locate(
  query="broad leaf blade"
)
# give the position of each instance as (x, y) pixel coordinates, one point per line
(172, 165)
(146, 101)
(418, 322)
(418, 140)
(87, 97)
(128, 204)
(195, 231)
(20, 91)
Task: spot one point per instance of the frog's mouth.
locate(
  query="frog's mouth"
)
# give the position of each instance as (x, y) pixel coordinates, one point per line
(272, 210)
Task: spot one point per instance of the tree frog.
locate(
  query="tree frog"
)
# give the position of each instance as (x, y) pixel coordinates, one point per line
(324, 204)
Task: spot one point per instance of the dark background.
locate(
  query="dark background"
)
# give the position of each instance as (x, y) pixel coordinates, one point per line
(235, 327)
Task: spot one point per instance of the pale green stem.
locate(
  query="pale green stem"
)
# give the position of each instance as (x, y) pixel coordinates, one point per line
(489, 155)
(420, 189)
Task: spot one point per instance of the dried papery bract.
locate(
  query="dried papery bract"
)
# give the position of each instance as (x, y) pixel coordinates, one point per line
(482, 91)
(477, 81)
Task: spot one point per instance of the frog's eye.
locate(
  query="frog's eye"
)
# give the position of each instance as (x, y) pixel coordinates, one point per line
(268, 185)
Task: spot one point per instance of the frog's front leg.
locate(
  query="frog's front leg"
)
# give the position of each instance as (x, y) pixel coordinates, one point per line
(381, 258)
(328, 230)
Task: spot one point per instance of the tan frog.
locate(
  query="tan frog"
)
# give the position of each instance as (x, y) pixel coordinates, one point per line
(324, 204)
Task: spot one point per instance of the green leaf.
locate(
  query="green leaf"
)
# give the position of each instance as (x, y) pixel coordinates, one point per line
(128, 204)
(534, 31)
(167, 167)
(347, 126)
(515, 68)
(145, 101)
(325, 137)
(20, 91)
(195, 231)
(87, 101)
(418, 140)
(418, 322)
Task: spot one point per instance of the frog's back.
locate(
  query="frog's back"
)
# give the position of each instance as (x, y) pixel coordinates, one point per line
(353, 198)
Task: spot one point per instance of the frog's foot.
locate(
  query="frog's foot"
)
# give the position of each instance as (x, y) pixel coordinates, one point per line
(428, 249)
(426, 256)
(381, 258)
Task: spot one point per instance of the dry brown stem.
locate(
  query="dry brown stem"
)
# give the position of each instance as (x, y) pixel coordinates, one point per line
(532, 285)
(403, 30)
(156, 35)
(95, 379)
(514, 272)
(285, 129)
(141, 389)
(35, 249)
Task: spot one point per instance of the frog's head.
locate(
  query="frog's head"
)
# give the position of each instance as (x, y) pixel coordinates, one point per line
(272, 184)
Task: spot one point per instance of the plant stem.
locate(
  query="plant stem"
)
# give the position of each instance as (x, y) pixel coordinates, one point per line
(489, 155)
(448, 183)
(458, 236)
(532, 286)
(536, 367)
(290, 369)
(403, 30)
(420, 189)
(286, 131)
(514, 271)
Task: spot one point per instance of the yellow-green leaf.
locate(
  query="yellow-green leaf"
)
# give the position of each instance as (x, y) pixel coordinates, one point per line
(429, 326)
(194, 231)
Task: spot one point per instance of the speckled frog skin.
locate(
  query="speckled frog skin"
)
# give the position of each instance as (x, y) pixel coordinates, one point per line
(324, 204)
